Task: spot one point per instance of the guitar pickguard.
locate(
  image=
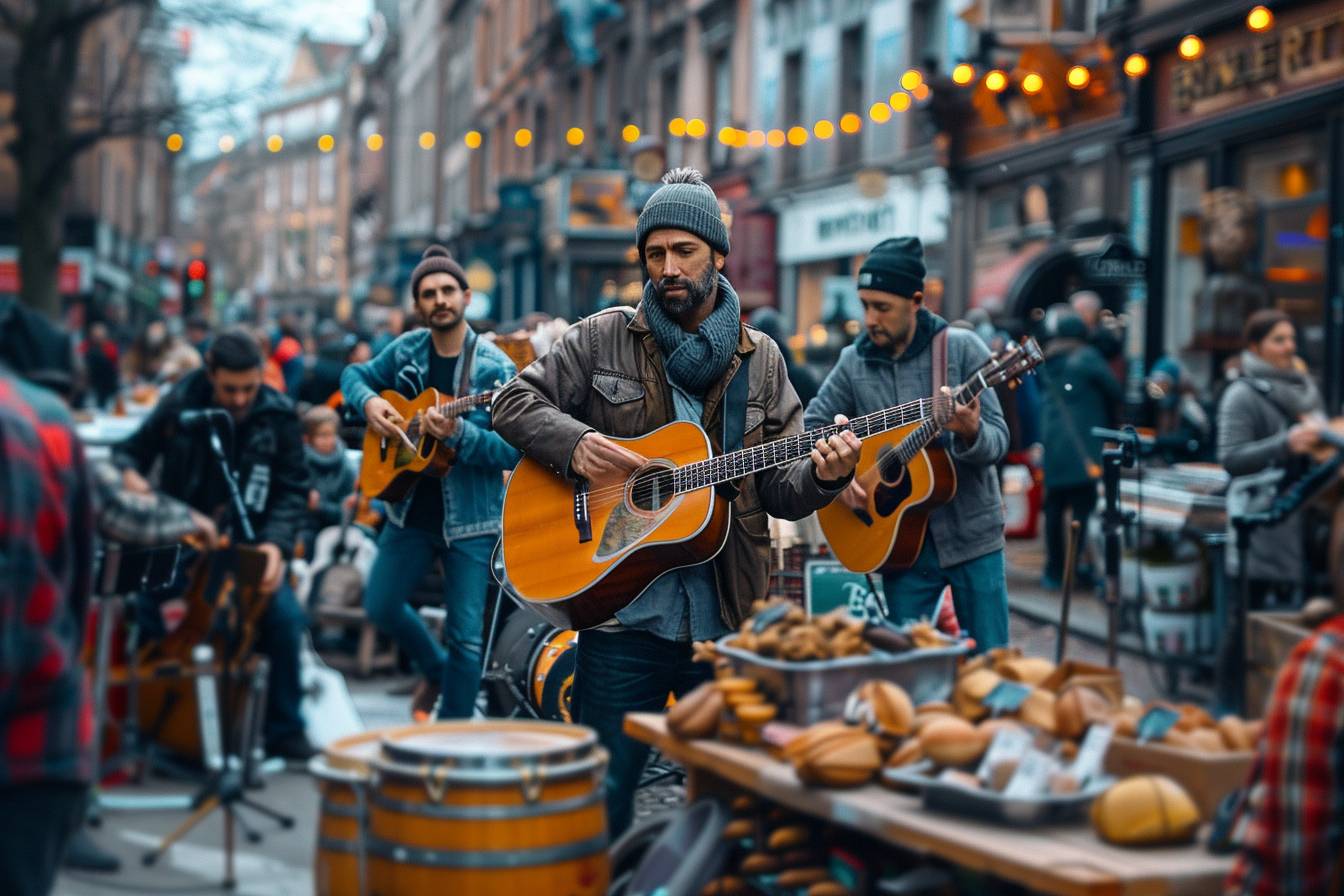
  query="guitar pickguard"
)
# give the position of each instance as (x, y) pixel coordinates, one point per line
(625, 527)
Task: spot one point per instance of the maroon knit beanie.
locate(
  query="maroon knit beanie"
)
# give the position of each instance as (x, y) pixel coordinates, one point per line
(436, 260)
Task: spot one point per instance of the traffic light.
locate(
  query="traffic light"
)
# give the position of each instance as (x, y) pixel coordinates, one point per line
(195, 284)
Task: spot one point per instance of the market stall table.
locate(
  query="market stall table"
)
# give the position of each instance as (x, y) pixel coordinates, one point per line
(1065, 860)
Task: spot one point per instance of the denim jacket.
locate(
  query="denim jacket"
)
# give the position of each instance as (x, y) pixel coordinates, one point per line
(473, 490)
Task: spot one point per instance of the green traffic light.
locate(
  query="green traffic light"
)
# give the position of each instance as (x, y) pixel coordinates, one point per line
(195, 288)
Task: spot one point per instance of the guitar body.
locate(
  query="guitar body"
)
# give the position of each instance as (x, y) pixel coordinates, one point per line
(578, 583)
(389, 468)
(889, 533)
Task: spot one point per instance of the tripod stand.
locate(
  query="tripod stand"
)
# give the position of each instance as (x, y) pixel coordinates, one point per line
(228, 749)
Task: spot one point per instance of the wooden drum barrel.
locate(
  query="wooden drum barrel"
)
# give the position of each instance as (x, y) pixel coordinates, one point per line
(491, 808)
(342, 866)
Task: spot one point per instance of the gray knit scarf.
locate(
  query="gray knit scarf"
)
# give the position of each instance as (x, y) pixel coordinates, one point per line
(696, 360)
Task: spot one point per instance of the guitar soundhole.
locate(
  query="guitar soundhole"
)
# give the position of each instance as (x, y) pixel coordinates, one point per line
(651, 489)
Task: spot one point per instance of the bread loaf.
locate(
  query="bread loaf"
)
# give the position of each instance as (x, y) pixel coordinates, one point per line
(1077, 708)
(971, 689)
(788, 837)
(801, 877)
(848, 761)
(1145, 810)
(907, 753)
(952, 741)
(1038, 710)
(1234, 734)
(882, 707)
(697, 714)
(1027, 670)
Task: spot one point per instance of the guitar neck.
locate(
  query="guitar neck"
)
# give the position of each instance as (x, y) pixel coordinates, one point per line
(744, 462)
(466, 403)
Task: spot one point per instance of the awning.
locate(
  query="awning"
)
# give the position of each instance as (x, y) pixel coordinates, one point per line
(993, 286)
(1042, 274)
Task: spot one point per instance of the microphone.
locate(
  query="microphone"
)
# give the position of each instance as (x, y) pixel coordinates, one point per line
(201, 419)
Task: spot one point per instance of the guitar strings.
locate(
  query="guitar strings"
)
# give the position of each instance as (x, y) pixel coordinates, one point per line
(726, 467)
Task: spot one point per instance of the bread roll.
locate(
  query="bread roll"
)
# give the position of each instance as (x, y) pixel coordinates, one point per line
(1038, 710)
(848, 761)
(971, 689)
(814, 735)
(1077, 708)
(787, 837)
(907, 753)
(696, 715)
(991, 727)
(1234, 734)
(890, 712)
(1027, 670)
(801, 877)
(1208, 740)
(952, 741)
(1145, 810)
(827, 888)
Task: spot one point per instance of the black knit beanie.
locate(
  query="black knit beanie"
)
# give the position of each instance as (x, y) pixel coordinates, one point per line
(437, 260)
(895, 266)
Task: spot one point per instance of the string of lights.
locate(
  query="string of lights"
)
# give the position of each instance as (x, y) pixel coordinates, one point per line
(913, 89)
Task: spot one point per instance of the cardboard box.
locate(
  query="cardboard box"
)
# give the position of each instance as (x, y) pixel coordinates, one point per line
(1207, 777)
(1270, 636)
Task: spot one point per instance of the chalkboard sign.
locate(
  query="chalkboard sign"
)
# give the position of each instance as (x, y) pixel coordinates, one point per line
(827, 585)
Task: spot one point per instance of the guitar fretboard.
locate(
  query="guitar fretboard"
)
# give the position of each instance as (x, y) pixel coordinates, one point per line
(466, 402)
(744, 462)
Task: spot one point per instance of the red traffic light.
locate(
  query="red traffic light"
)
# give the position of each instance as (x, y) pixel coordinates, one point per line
(196, 269)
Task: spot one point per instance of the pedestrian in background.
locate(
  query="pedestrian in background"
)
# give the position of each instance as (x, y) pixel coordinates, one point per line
(1079, 392)
(1271, 416)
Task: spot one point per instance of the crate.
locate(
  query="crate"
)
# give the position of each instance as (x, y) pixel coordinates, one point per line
(1270, 636)
(1207, 777)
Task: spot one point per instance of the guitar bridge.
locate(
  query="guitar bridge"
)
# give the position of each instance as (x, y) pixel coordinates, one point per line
(582, 521)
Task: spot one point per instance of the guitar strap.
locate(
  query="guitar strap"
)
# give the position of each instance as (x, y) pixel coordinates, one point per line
(939, 360)
(734, 419)
(468, 355)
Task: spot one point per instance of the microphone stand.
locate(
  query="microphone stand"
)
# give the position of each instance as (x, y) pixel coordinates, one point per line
(1113, 520)
(225, 788)
(1233, 648)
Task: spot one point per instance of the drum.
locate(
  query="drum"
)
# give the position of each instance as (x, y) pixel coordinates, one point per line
(341, 866)
(491, 808)
(532, 662)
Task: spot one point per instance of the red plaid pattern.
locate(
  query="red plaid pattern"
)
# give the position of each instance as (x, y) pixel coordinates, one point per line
(46, 726)
(1292, 825)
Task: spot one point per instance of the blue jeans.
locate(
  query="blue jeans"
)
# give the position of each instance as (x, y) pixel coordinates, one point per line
(621, 672)
(404, 556)
(979, 592)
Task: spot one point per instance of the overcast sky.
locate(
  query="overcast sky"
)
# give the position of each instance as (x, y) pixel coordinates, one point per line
(235, 62)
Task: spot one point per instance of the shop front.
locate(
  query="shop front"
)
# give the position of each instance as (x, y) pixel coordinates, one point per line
(823, 236)
(1248, 192)
(588, 238)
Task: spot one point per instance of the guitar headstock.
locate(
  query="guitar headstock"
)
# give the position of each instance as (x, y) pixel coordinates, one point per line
(1010, 364)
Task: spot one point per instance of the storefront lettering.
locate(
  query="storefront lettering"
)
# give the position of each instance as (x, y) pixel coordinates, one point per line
(881, 219)
(1291, 54)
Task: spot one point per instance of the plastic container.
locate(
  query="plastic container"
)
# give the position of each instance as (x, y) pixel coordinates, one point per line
(1178, 633)
(1172, 586)
(988, 805)
(816, 690)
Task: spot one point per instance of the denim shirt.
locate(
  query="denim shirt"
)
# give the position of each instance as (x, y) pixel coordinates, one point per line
(473, 490)
(681, 604)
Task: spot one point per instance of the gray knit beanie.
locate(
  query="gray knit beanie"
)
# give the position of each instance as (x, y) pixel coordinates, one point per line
(437, 260)
(683, 202)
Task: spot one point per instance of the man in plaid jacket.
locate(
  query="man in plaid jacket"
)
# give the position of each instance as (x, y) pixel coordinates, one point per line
(1291, 828)
(46, 724)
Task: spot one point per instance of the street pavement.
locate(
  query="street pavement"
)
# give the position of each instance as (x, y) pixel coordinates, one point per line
(282, 864)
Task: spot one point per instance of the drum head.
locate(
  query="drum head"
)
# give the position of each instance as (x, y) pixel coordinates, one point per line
(490, 744)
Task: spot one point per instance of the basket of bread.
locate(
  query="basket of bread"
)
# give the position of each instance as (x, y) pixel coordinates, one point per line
(809, 665)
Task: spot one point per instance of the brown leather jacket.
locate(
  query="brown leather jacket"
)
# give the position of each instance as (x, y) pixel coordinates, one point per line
(606, 374)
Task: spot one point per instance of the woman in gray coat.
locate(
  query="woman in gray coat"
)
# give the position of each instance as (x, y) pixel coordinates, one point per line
(1271, 417)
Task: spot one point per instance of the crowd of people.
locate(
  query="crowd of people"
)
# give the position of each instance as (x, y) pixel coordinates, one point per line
(285, 396)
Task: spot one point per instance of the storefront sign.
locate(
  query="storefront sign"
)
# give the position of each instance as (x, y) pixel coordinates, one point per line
(840, 223)
(1236, 68)
(1116, 264)
(72, 278)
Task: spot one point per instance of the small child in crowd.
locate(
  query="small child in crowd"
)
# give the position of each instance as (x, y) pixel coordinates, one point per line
(333, 480)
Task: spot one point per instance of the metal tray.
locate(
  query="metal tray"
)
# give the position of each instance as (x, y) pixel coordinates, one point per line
(813, 691)
(987, 805)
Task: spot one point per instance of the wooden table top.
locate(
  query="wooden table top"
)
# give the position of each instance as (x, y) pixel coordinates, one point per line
(1061, 859)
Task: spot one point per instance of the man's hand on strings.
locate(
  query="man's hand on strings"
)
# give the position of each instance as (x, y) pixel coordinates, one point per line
(964, 419)
(834, 457)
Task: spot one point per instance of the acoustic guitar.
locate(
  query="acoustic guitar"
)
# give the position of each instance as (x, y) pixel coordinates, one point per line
(576, 552)
(907, 474)
(390, 467)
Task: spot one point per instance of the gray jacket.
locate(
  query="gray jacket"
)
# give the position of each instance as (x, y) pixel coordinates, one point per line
(1253, 436)
(867, 379)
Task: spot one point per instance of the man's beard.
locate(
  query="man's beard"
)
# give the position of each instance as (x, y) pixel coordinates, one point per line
(695, 295)
(447, 321)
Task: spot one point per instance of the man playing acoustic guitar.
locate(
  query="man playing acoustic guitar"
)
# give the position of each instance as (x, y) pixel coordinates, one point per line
(624, 375)
(455, 518)
(892, 362)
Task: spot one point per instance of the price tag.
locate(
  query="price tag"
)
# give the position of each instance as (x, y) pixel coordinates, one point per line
(1007, 696)
(1092, 753)
(1009, 745)
(1155, 723)
(1032, 777)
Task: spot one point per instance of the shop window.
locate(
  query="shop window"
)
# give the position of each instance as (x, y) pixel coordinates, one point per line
(792, 107)
(998, 213)
(1186, 186)
(298, 184)
(721, 101)
(853, 64)
(1287, 180)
